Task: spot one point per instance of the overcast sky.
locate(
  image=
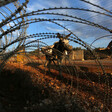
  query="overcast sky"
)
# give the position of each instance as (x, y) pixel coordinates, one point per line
(84, 32)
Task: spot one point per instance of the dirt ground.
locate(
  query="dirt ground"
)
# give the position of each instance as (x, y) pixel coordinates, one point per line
(95, 66)
(29, 87)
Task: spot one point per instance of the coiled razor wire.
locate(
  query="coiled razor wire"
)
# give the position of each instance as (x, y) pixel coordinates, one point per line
(22, 22)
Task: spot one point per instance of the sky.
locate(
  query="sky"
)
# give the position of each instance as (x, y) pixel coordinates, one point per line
(86, 33)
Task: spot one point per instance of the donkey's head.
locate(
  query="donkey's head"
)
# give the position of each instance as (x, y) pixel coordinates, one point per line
(64, 39)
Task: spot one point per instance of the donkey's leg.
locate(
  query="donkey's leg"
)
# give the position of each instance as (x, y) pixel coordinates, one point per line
(47, 60)
(59, 65)
(49, 65)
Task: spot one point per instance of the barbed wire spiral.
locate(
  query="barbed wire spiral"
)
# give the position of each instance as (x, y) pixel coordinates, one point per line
(21, 50)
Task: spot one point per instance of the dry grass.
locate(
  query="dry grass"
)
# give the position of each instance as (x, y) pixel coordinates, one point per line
(30, 87)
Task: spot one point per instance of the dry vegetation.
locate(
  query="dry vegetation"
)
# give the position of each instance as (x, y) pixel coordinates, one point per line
(30, 87)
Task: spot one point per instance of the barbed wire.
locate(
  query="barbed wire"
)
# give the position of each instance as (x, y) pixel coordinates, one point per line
(88, 2)
(13, 14)
(23, 41)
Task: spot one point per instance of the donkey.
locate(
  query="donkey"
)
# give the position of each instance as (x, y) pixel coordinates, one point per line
(57, 50)
(61, 47)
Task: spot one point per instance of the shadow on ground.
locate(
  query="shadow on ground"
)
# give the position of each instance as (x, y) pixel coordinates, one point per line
(18, 93)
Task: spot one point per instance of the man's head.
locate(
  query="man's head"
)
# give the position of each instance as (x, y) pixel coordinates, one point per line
(59, 36)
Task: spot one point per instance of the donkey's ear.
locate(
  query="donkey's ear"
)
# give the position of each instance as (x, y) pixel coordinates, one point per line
(68, 35)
